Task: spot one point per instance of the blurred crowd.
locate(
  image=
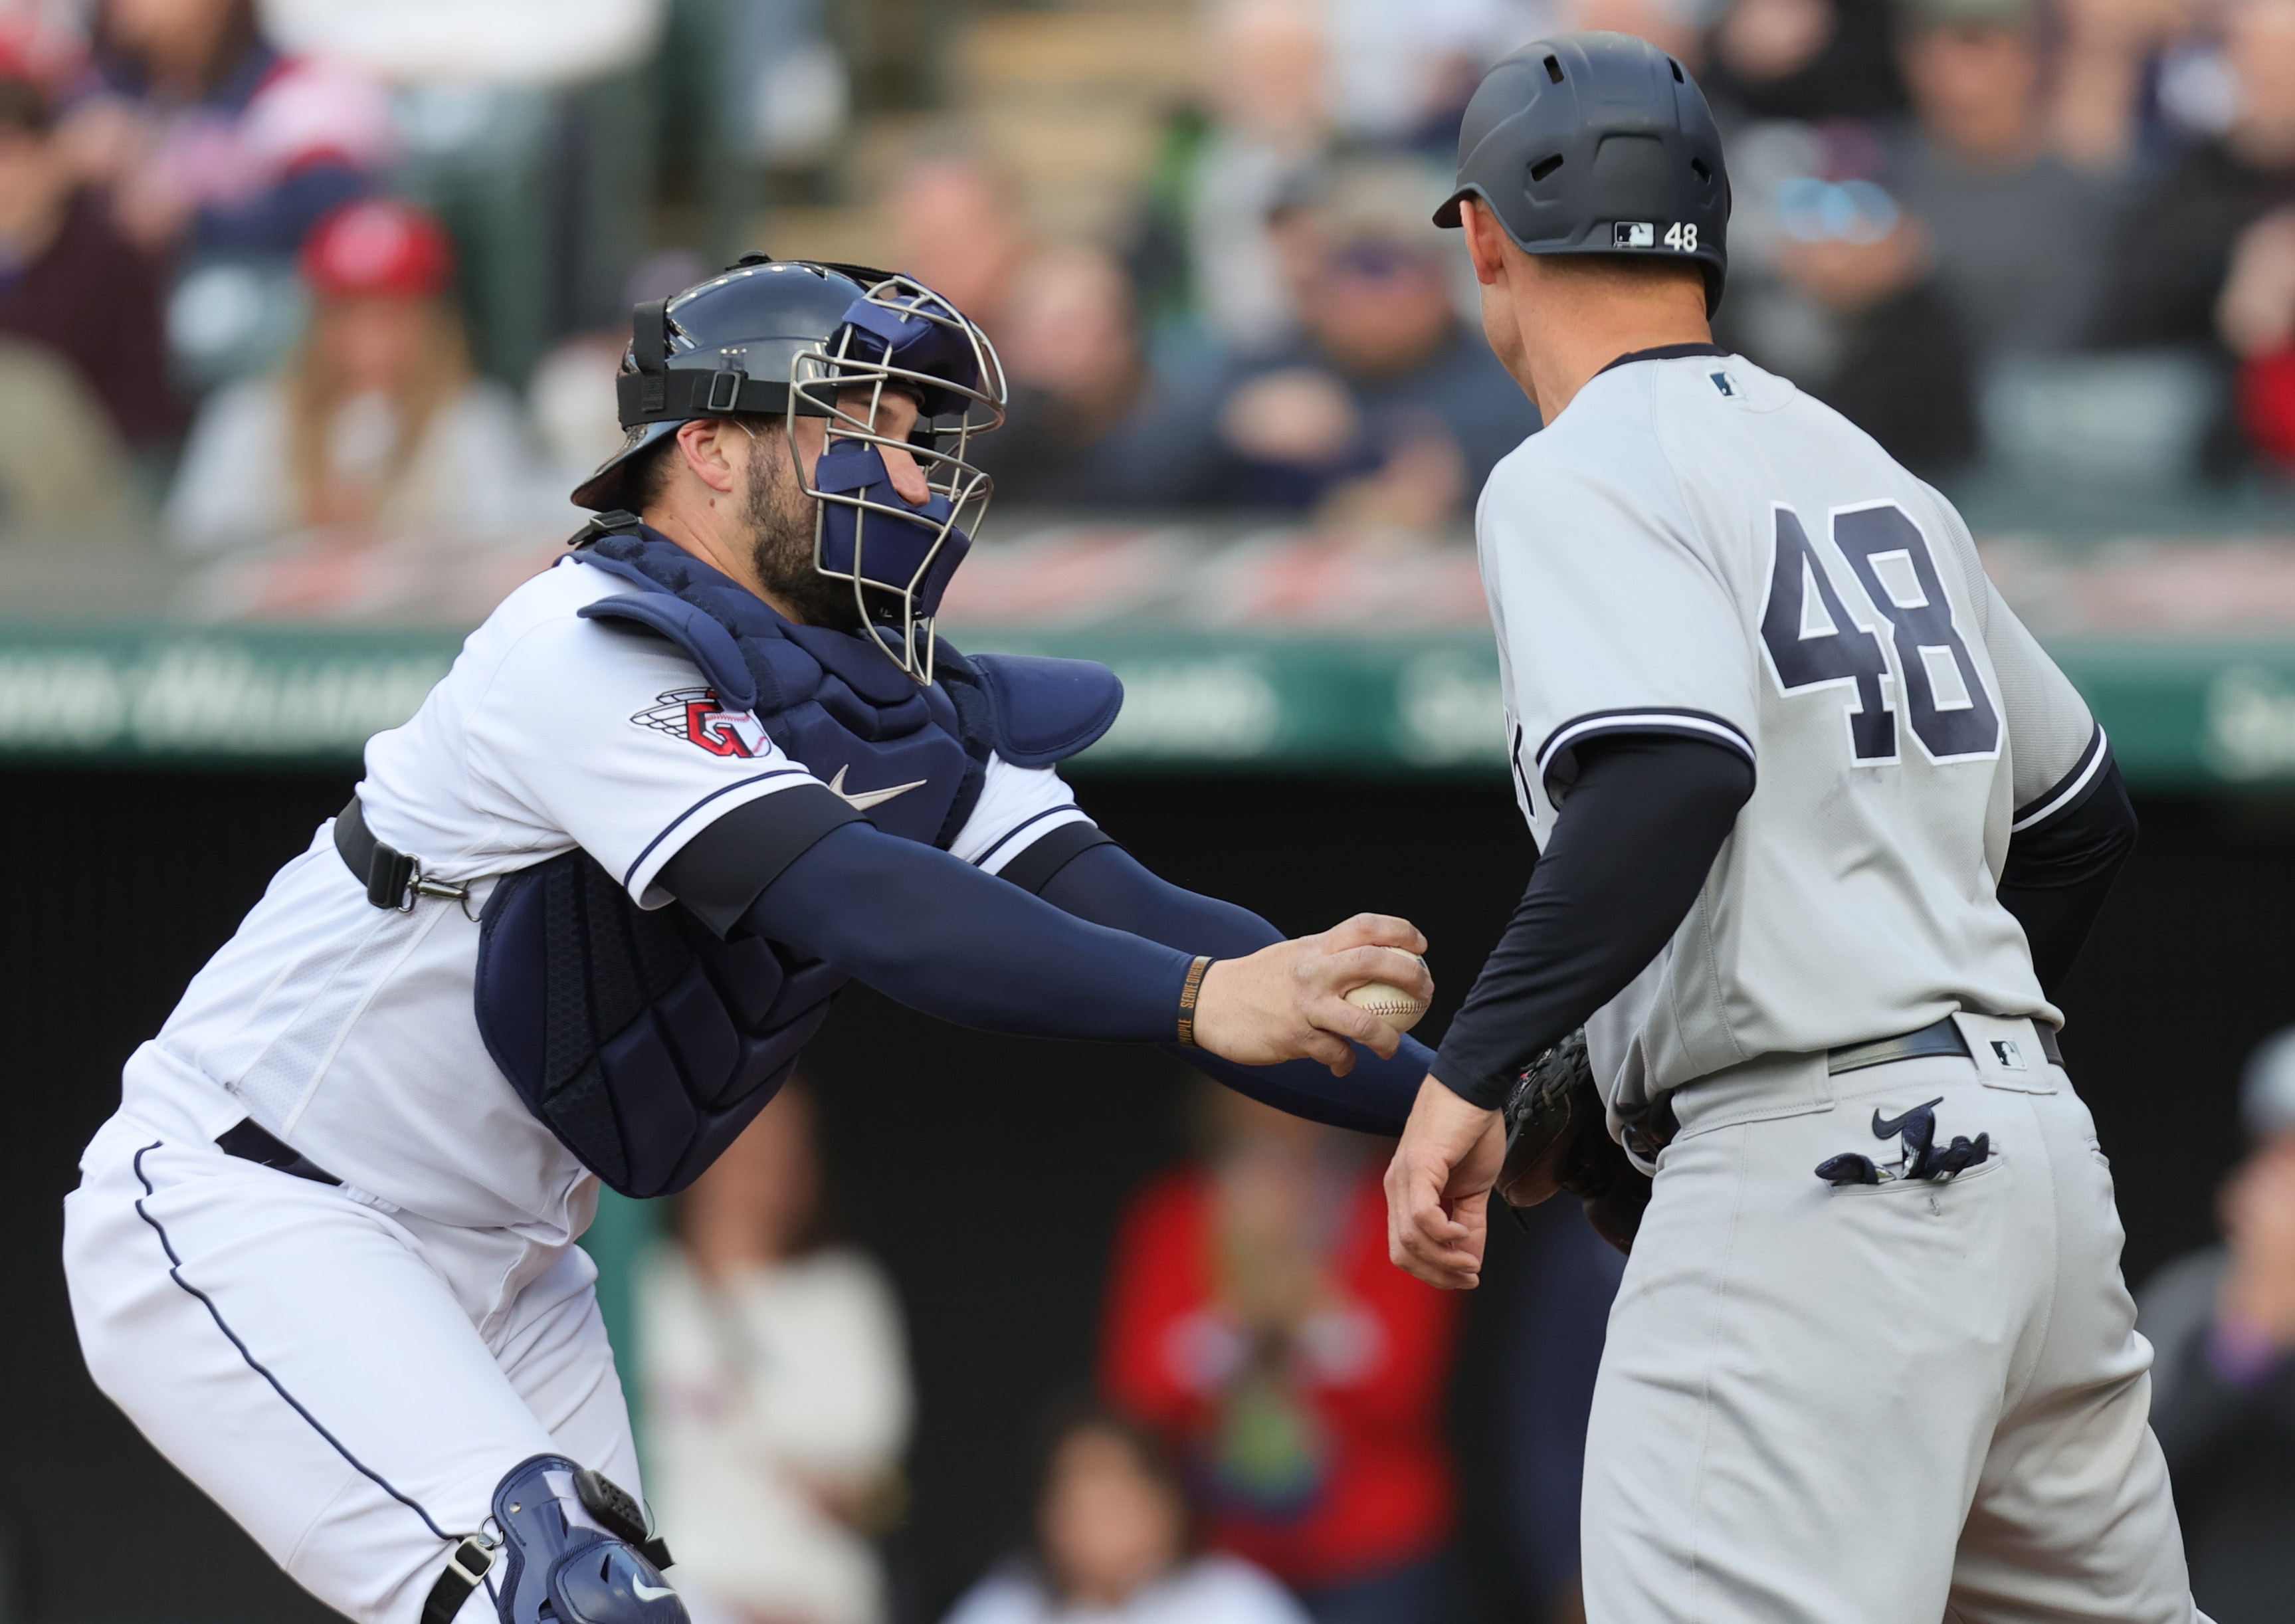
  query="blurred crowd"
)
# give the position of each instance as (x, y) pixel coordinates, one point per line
(311, 272)
(306, 272)
(1268, 1436)
(2222, 1325)
(2045, 244)
(1267, 1441)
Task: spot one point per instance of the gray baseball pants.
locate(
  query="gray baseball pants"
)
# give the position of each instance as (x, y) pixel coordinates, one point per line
(1892, 1404)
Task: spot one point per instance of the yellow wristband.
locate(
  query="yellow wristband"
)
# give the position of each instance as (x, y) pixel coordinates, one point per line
(1190, 991)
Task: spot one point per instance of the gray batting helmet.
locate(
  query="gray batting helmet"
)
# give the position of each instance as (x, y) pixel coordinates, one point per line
(1597, 144)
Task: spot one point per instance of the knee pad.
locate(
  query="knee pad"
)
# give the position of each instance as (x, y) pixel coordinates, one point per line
(575, 1551)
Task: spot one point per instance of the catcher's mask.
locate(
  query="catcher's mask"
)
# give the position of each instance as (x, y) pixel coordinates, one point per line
(898, 336)
(799, 338)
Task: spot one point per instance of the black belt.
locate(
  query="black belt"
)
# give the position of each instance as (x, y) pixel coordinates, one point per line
(393, 879)
(250, 1142)
(1943, 1038)
(1654, 1129)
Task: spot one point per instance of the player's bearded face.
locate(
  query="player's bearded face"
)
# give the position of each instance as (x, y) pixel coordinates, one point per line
(781, 518)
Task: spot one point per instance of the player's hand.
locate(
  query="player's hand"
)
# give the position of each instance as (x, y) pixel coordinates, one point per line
(1288, 1001)
(1438, 1188)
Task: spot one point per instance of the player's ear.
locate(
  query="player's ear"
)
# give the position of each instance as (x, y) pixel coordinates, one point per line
(703, 444)
(1485, 241)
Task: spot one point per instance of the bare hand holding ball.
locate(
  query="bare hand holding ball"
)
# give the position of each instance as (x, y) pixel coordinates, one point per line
(1397, 1009)
(1302, 999)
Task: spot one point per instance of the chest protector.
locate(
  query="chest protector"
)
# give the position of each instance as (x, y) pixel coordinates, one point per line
(637, 1036)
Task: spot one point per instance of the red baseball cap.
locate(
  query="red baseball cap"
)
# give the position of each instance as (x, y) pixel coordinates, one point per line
(378, 246)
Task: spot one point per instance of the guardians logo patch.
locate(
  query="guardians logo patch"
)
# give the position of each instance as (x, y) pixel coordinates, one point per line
(694, 715)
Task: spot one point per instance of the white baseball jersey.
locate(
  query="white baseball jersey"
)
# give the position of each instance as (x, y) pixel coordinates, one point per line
(347, 1030)
(1696, 547)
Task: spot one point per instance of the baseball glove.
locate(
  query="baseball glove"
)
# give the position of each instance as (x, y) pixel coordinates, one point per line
(1557, 1139)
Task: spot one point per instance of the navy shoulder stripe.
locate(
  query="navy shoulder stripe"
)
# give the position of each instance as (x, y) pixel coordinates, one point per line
(1641, 719)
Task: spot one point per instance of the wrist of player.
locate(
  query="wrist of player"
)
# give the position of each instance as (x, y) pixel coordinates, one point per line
(1438, 1188)
(1481, 1086)
(1448, 1124)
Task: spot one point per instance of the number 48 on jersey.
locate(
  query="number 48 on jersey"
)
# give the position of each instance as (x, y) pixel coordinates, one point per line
(1814, 642)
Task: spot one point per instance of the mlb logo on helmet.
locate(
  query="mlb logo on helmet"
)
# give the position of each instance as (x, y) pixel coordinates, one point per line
(1633, 234)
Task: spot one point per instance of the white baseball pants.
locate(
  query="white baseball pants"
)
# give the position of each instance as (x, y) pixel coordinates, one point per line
(436, 1359)
(1895, 1404)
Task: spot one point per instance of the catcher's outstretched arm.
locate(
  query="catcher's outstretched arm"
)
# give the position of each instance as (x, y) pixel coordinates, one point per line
(938, 934)
(1089, 875)
(1632, 849)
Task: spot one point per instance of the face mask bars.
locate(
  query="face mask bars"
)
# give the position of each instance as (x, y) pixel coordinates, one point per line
(821, 378)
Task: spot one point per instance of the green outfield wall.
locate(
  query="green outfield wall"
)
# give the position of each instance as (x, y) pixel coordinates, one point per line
(2182, 713)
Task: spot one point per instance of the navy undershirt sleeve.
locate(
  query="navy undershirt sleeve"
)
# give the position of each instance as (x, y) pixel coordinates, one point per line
(2057, 874)
(1628, 857)
(1106, 885)
(937, 934)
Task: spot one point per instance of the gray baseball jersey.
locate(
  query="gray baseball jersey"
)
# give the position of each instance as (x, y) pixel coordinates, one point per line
(1696, 546)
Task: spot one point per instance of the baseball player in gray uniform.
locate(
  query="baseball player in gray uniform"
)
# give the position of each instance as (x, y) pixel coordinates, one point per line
(1822, 829)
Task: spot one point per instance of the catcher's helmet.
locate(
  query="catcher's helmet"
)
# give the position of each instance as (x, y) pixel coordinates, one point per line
(797, 338)
(1597, 144)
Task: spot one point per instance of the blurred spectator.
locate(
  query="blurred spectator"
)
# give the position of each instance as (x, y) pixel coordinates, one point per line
(2222, 1323)
(1803, 59)
(1556, 1323)
(502, 42)
(2179, 240)
(2016, 190)
(62, 467)
(1253, 1318)
(570, 393)
(206, 137)
(1112, 1546)
(1071, 350)
(1387, 413)
(797, 93)
(1404, 73)
(1833, 284)
(958, 228)
(777, 1387)
(377, 423)
(69, 281)
(1901, 370)
(1675, 27)
(2255, 318)
(2105, 60)
(1205, 251)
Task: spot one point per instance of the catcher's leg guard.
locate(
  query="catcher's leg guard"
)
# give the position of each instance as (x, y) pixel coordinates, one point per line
(575, 1551)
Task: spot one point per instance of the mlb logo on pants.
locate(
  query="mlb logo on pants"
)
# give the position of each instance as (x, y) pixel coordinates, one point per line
(1633, 234)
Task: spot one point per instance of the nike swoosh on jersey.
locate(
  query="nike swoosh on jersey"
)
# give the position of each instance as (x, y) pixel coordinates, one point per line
(648, 1593)
(861, 800)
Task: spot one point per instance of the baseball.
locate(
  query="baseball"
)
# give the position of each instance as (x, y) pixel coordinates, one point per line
(1397, 1009)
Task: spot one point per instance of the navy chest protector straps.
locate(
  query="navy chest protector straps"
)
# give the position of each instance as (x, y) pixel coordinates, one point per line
(639, 1038)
